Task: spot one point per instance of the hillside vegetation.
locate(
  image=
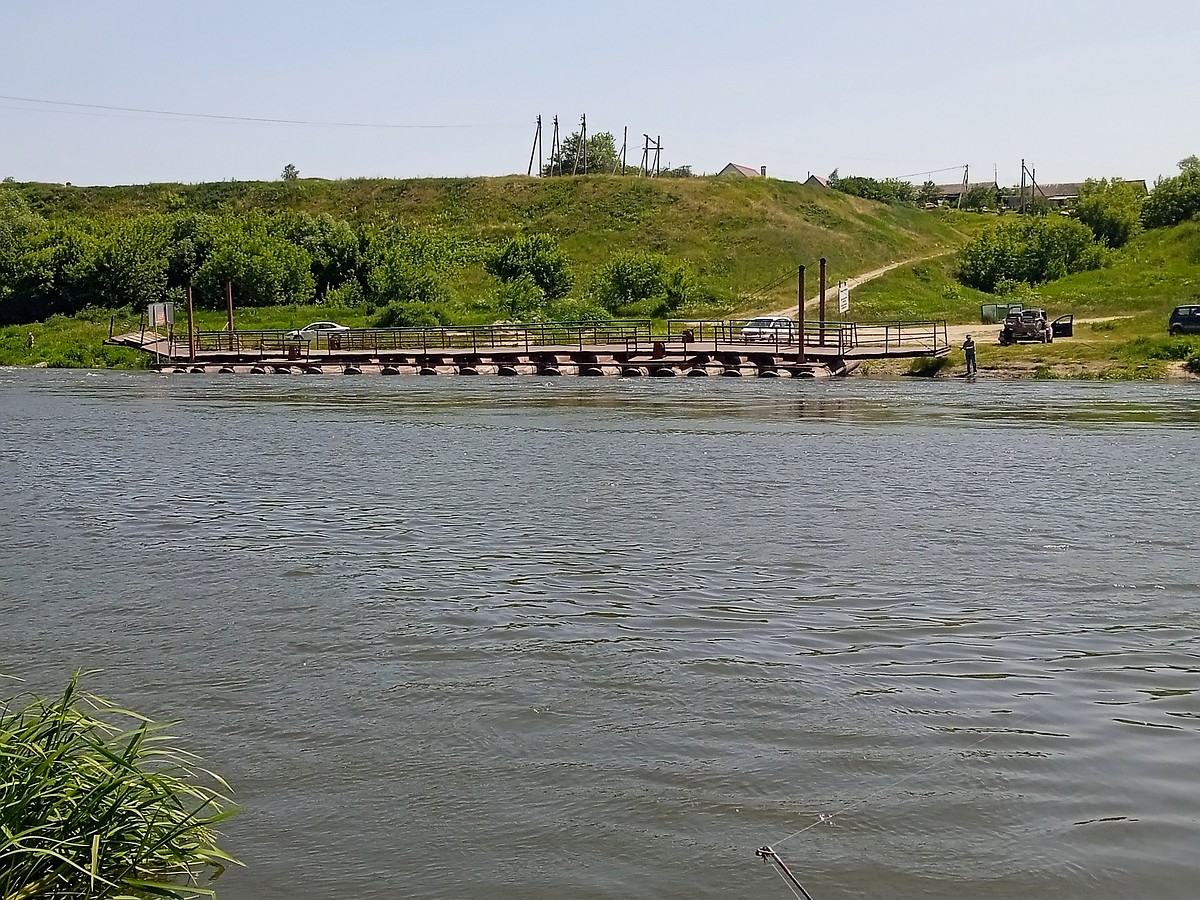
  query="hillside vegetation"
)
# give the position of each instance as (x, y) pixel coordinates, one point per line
(720, 240)
(1129, 300)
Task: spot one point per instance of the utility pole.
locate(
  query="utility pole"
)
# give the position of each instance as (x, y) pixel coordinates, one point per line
(624, 145)
(966, 181)
(657, 155)
(1022, 187)
(536, 148)
(583, 147)
(555, 150)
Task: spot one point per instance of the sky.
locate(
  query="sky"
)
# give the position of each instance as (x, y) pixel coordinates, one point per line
(1078, 88)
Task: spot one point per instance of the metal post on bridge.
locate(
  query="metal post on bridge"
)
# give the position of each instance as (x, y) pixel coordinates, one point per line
(229, 308)
(822, 339)
(800, 319)
(191, 326)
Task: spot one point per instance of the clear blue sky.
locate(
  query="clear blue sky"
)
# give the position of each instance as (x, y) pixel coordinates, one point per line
(872, 87)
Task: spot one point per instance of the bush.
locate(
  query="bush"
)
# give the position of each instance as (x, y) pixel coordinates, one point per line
(407, 314)
(1031, 249)
(536, 257)
(266, 270)
(1111, 209)
(1173, 200)
(522, 298)
(636, 277)
(92, 808)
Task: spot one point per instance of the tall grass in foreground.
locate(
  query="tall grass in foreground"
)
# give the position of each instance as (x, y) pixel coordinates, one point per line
(97, 802)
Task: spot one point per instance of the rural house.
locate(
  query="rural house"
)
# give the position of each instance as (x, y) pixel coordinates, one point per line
(733, 170)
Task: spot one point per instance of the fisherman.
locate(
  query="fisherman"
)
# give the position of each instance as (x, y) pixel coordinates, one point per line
(29, 341)
(969, 350)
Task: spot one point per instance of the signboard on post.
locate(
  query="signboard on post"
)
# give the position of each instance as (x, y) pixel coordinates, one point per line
(843, 297)
(161, 314)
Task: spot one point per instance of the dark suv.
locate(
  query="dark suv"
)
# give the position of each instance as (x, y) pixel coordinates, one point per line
(1184, 320)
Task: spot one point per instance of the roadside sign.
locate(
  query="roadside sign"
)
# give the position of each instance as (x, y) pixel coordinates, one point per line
(843, 297)
(161, 314)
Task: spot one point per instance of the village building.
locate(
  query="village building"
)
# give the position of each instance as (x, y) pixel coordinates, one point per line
(733, 170)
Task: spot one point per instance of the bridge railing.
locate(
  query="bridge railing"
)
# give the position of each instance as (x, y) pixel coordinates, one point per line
(835, 335)
(898, 336)
(634, 334)
(522, 336)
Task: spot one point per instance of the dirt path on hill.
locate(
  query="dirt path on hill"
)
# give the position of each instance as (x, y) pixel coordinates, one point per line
(831, 289)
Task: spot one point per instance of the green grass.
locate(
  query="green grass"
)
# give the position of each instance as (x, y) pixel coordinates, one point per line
(98, 802)
(926, 290)
(1136, 292)
(737, 235)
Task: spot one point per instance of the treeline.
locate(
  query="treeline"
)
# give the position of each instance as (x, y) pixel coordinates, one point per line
(1034, 249)
(411, 274)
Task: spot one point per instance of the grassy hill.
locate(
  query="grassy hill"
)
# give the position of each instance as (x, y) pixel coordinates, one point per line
(1131, 298)
(737, 235)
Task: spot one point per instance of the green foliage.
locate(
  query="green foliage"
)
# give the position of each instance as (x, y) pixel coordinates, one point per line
(1174, 200)
(929, 193)
(981, 197)
(97, 802)
(677, 172)
(289, 173)
(332, 245)
(890, 190)
(636, 277)
(536, 257)
(411, 264)
(1111, 208)
(522, 298)
(1031, 249)
(601, 156)
(265, 269)
(408, 314)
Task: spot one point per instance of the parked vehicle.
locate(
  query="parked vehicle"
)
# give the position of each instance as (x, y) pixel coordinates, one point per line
(1032, 325)
(314, 331)
(779, 329)
(1184, 320)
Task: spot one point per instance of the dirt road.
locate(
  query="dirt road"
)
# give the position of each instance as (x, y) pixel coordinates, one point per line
(831, 290)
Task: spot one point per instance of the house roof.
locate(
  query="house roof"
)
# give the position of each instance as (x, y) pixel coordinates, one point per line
(1061, 190)
(953, 190)
(823, 182)
(745, 170)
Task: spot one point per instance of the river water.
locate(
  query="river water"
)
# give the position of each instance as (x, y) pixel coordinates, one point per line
(596, 638)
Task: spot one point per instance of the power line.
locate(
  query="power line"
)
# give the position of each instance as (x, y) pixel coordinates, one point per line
(224, 118)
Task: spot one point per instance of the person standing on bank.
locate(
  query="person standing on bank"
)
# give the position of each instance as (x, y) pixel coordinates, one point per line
(969, 350)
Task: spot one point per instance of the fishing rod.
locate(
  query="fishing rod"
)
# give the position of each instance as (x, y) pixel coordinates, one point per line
(767, 855)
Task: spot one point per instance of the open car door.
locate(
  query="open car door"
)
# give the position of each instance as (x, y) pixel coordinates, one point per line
(1063, 326)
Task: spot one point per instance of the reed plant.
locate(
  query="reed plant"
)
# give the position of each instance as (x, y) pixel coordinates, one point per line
(99, 802)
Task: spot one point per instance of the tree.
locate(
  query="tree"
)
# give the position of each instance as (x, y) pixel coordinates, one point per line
(1174, 200)
(635, 277)
(890, 190)
(289, 173)
(536, 256)
(929, 193)
(677, 172)
(981, 197)
(1030, 249)
(266, 270)
(602, 156)
(1111, 208)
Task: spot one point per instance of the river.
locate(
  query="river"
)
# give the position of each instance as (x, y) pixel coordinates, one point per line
(599, 638)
